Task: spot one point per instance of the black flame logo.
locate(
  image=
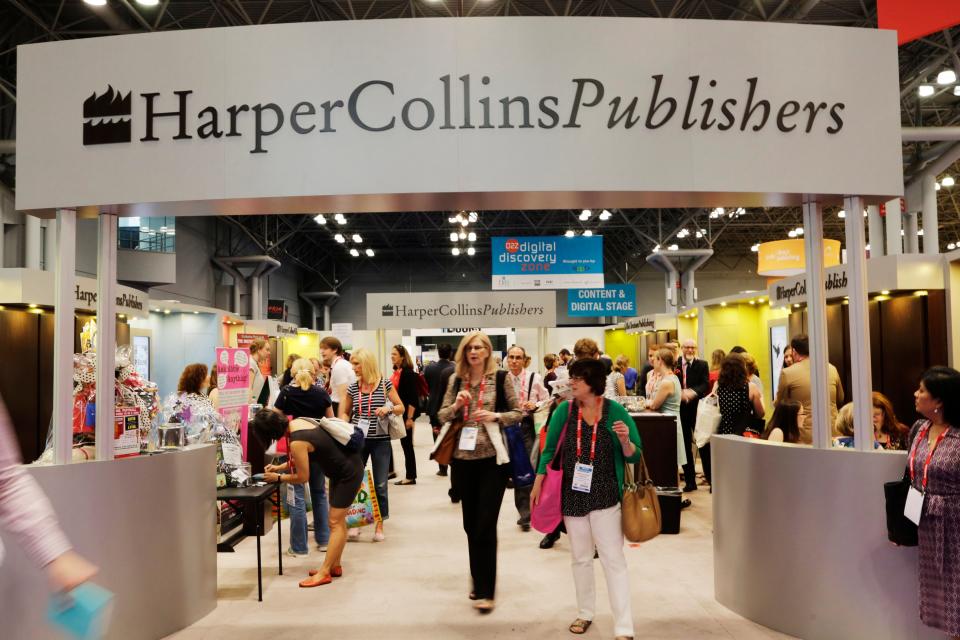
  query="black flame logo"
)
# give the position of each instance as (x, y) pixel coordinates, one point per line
(386, 310)
(107, 118)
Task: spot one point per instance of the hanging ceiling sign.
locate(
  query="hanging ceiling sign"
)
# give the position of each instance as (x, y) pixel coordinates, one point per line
(546, 262)
(611, 300)
(455, 309)
(499, 113)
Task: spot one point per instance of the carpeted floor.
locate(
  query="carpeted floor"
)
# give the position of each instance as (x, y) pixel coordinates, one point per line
(415, 584)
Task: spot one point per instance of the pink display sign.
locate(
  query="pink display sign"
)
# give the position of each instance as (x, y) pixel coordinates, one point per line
(233, 381)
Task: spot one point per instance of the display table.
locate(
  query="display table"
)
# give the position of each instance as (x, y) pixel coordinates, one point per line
(658, 435)
(254, 497)
(800, 541)
(147, 523)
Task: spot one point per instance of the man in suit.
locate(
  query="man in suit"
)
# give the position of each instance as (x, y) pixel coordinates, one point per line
(694, 377)
(437, 375)
(795, 385)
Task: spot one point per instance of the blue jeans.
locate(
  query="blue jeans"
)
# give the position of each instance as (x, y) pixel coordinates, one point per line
(298, 512)
(381, 452)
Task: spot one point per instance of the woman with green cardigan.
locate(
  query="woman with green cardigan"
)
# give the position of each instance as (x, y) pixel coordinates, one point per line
(600, 439)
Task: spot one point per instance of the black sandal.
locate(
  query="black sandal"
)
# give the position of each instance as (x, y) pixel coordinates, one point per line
(580, 626)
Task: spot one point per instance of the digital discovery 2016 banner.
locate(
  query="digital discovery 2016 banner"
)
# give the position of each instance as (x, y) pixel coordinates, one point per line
(547, 262)
(611, 300)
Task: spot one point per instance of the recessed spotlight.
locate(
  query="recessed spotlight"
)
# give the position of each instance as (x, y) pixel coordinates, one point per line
(166, 312)
(885, 292)
(32, 306)
(723, 304)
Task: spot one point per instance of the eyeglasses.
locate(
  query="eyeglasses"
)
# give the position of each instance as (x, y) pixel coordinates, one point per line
(514, 357)
(576, 379)
(474, 347)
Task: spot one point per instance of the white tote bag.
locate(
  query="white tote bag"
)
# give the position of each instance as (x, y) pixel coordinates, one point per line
(708, 420)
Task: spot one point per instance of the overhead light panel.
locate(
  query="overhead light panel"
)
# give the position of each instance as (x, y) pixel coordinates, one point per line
(605, 215)
(357, 238)
(585, 214)
(925, 90)
(455, 251)
(568, 233)
(472, 216)
(453, 236)
(369, 253)
(948, 181)
(920, 232)
(462, 235)
(339, 238)
(588, 233)
(471, 251)
(673, 247)
(96, 3)
(799, 231)
(354, 253)
(339, 217)
(792, 233)
(956, 90)
(952, 246)
(841, 214)
(472, 237)
(947, 76)
(320, 218)
(148, 3)
(755, 248)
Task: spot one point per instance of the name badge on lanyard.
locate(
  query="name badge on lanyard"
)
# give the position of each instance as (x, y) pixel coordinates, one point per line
(364, 424)
(468, 438)
(583, 473)
(913, 509)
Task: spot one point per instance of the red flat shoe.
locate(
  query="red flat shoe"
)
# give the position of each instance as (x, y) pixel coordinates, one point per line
(336, 572)
(306, 584)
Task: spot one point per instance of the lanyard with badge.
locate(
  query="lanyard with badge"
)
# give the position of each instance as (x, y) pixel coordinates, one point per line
(520, 389)
(914, 505)
(364, 422)
(468, 435)
(583, 473)
(330, 376)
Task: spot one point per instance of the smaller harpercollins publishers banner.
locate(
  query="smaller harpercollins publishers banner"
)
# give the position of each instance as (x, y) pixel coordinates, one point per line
(612, 300)
(438, 310)
(547, 262)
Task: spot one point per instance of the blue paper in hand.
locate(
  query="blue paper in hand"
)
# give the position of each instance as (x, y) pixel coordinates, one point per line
(83, 613)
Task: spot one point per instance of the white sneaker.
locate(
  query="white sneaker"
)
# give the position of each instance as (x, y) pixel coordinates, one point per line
(322, 548)
(294, 554)
(353, 534)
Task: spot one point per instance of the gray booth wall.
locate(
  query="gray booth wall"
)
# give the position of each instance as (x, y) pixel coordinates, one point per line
(149, 523)
(800, 542)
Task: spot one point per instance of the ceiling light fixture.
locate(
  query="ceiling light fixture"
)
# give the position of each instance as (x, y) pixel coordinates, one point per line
(755, 248)
(471, 251)
(673, 247)
(462, 235)
(357, 238)
(925, 90)
(354, 253)
(605, 215)
(952, 246)
(472, 216)
(792, 233)
(320, 218)
(956, 90)
(96, 3)
(453, 236)
(339, 217)
(369, 253)
(841, 214)
(455, 251)
(588, 233)
(585, 214)
(148, 3)
(339, 238)
(947, 76)
(799, 231)
(568, 233)
(948, 181)
(472, 237)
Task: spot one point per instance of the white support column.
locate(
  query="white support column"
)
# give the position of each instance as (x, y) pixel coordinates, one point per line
(817, 324)
(860, 372)
(877, 246)
(32, 241)
(106, 333)
(255, 297)
(931, 221)
(894, 221)
(702, 333)
(911, 240)
(63, 305)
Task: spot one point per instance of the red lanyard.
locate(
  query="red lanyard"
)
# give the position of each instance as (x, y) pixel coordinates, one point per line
(360, 401)
(913, 453)
(522, 391)
(466, 409)
(593, 439)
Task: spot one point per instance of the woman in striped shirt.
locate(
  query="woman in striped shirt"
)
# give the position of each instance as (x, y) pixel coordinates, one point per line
(366, 405)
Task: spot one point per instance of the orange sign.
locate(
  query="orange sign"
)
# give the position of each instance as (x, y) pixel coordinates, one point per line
(786, 257)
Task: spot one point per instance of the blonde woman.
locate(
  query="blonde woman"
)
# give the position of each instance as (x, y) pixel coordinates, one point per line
(303, 398)
(366, 404)
(616, 383)
(478, 394)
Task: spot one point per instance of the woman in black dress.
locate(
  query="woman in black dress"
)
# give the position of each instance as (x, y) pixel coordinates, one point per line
(344, 468)
(405, 382)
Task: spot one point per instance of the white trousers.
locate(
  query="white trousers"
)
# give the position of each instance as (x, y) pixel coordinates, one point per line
(601, 530)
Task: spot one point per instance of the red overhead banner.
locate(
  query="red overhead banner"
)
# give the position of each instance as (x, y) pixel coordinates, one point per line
(913, 19)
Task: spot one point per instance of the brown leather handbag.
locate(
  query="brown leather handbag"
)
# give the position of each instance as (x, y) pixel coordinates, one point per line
(641, 507)
(444, 451)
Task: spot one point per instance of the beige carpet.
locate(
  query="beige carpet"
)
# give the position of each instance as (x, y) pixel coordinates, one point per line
(415, 584)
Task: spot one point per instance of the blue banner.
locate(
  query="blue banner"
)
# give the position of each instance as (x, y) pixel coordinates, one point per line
(547, 262)
(612, 300)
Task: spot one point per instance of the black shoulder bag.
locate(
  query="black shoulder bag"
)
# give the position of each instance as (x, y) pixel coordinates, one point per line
(900, 529)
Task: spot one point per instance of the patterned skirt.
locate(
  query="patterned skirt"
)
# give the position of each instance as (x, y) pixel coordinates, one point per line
(939, 552)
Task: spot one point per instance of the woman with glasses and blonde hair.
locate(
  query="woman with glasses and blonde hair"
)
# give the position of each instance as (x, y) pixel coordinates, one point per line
(366, 405)
(478, 396)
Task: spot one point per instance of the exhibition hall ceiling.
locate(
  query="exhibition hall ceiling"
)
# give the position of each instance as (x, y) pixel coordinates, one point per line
(630, 235)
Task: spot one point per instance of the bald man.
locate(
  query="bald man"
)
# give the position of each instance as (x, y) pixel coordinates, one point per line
(694, 377)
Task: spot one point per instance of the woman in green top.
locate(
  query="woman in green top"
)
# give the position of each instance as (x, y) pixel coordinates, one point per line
(600, 437)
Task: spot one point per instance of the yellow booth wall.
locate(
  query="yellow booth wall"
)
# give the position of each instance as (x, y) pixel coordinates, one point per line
(687, 328)
(744, 325)
(618, 342)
